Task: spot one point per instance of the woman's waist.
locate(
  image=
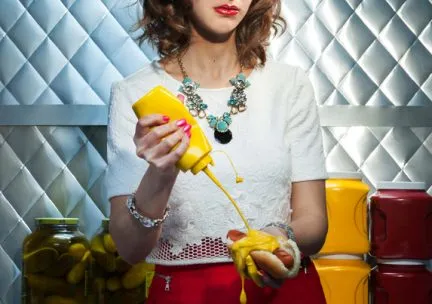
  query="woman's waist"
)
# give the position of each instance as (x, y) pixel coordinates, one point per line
(208, 250)
(211, 251)
(210, 265)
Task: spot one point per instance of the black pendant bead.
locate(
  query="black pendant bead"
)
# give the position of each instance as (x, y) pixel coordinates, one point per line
(223, 137)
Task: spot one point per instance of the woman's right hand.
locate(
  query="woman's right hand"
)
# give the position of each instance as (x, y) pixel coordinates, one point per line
(156, 136)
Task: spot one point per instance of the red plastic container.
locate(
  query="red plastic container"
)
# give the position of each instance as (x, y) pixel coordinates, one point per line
(401, 221)
(401, 284)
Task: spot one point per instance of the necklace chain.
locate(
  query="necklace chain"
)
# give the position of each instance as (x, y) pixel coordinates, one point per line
(183, 70)
(197, 107)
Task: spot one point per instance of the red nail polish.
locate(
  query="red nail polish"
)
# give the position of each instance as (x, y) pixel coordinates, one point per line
(181, 97)
(187, 128)
(165, 118)
(181, 123)
(188, 133)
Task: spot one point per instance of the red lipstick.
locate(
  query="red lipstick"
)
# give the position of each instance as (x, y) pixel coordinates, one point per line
(227, 10)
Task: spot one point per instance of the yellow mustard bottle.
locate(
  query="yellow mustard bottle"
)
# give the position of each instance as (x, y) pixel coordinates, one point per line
(160, 100)
(347, 214)
(344, 281)
(197, 157)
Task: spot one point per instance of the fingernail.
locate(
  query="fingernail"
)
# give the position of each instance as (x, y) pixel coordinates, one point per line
(187, 128)
(188, 133)
(181, 123)
(181, 97)
(165, 118)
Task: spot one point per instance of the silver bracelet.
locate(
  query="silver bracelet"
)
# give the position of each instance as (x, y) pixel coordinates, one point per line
(286, 228)
(144, 220)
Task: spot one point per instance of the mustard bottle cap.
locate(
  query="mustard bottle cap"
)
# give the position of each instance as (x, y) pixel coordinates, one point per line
(202, 163)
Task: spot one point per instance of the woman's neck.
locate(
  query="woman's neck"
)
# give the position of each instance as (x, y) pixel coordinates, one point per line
(211, 64)
(216, 60)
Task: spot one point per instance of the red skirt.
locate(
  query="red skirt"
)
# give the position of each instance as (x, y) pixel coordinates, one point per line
(221, 284)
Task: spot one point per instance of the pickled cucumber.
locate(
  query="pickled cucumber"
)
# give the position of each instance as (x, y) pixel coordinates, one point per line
(105, 259)
(135, 276)
(63, 265)
(33, 241)
(59, 244)
(77, 250)
(76, 274)
(113, 284)
(59, 300)
(96, 245)
(40, 259)
(109, 244)
(47, 284)
(86, 257)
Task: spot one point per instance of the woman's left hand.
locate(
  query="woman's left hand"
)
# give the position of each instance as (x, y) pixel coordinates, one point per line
(263, 265)
(267, 279)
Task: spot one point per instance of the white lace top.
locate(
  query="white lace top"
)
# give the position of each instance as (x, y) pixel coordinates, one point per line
(276, 141)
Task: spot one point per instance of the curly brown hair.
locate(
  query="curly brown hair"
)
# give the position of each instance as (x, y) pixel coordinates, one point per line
(166, 25)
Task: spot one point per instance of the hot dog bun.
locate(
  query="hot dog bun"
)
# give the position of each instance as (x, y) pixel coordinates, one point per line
(279, 264)
(272, 264)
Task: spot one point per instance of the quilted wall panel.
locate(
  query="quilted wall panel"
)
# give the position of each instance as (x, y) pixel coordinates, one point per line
(366, 53)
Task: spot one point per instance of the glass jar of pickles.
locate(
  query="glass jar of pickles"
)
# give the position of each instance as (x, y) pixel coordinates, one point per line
(56, 261)
(114, 280)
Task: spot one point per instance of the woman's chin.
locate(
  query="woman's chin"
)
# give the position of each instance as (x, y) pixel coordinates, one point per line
(216, 34)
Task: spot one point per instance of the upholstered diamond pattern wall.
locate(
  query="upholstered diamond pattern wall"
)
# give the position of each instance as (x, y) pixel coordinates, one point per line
(374, 53)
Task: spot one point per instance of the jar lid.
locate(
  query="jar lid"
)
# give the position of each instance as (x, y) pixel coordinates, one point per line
(56, 221)
(345, 175)
(401, 185)
(401, 262)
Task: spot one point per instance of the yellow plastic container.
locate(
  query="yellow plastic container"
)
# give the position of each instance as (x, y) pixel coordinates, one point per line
(347, 215)
(160, 100)
(344, 281)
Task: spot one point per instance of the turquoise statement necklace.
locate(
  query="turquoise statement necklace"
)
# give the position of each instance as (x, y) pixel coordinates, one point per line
(197, 107)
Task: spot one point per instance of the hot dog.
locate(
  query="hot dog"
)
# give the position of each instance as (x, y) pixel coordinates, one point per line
(281, 263)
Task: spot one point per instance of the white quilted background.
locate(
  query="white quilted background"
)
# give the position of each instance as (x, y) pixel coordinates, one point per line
(373, 53)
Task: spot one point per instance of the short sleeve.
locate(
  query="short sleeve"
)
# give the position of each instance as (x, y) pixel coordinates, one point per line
(304, 132)
(125, 169)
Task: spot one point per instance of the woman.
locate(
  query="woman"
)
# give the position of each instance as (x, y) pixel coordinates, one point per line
(273, 138)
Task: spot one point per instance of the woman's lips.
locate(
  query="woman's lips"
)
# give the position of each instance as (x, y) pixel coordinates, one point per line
(227, 10)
